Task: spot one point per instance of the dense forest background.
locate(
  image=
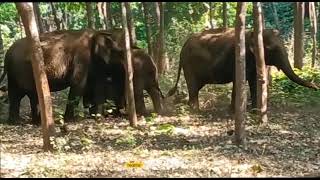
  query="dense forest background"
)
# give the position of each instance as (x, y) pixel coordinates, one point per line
(185, 144)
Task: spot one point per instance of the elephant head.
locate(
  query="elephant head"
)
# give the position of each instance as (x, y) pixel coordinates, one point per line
(105, 49)
(276, 55)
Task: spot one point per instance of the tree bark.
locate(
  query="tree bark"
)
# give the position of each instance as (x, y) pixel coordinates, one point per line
(225, 16)
(148, 29)
(1, 47)
(90, 15)
(37, 14)
(109, 14)
(129, 85)
(161, 59)
(55, 17)
(240, 80)
(210, 15)
(132, 29)
(262, 88)
(275, 15)
(28, 19)
(313, 29)
(298, 35)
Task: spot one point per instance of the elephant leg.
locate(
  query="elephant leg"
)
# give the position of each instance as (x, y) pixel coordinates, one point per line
(253, 92)
(35, 109)
(15, 97)
(139, 98)
(194, 88)
(72, 103)
(156, 99)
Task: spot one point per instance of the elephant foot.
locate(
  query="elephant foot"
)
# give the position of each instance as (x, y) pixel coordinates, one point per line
(36, 121)
(70, 119)
(15, 121)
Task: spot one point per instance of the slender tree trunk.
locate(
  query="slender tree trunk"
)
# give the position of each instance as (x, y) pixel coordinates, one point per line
(148, 29)
(313, 29)
(132, 29)
(1, 45)
(101, 10)
(161, 59)
(55, 17)
(90, 15)
(299, 35)
(26, 12)
(37, 14)
(225, 16)
(65, 17)
(275, 15)
(130, 94)
(109, 14)
(240, 80)
(262, 88)
(210, 15)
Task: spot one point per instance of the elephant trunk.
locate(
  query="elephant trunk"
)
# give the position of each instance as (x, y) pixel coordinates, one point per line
(288, 71)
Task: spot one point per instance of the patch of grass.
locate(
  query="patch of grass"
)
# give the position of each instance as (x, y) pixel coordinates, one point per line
(127, 140)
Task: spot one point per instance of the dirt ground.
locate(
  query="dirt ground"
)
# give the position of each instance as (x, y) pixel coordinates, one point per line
(183, 144)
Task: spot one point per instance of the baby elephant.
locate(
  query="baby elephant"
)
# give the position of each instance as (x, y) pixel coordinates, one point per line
(145, 77)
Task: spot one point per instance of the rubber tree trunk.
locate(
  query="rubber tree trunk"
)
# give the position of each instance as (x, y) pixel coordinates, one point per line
(1, 47)
(210, 15)
(132, 29)
(89, 15)
(275, 15)
(313, 30)
(262, 88)
(129, 78)
(109, 14)
(240, 80)
(298, 35)
(161, 59)
(55, 17)
(37, 14)
(147, 25)
(28, 19)
(225, 15)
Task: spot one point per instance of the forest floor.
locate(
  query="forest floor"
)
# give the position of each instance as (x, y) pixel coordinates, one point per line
(180, 145)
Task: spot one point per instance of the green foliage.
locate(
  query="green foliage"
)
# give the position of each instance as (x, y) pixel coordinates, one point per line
(165, 129)
(127, 140)
(286, 91)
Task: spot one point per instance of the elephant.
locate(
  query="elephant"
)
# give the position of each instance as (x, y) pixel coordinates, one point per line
(145, 77)
(208, 57)
(69, 58)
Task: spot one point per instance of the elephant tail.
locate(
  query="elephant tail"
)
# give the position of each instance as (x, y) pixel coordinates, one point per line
(174, 89)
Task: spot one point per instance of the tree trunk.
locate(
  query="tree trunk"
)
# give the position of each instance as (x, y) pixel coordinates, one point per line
(148, 29)
(37, 14)
(21, 27)
(129, 85)
(65, 17)
(298, 35)
(26, 12)
(262, 88)
(109, 14)
(225, 16)
(101, 10)
(161, 59)
(132, 29)
(210, 15)
(90, 15)
(240, 80)
(275, 15)
(55, 17)
(1, 47)
(313, 29)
